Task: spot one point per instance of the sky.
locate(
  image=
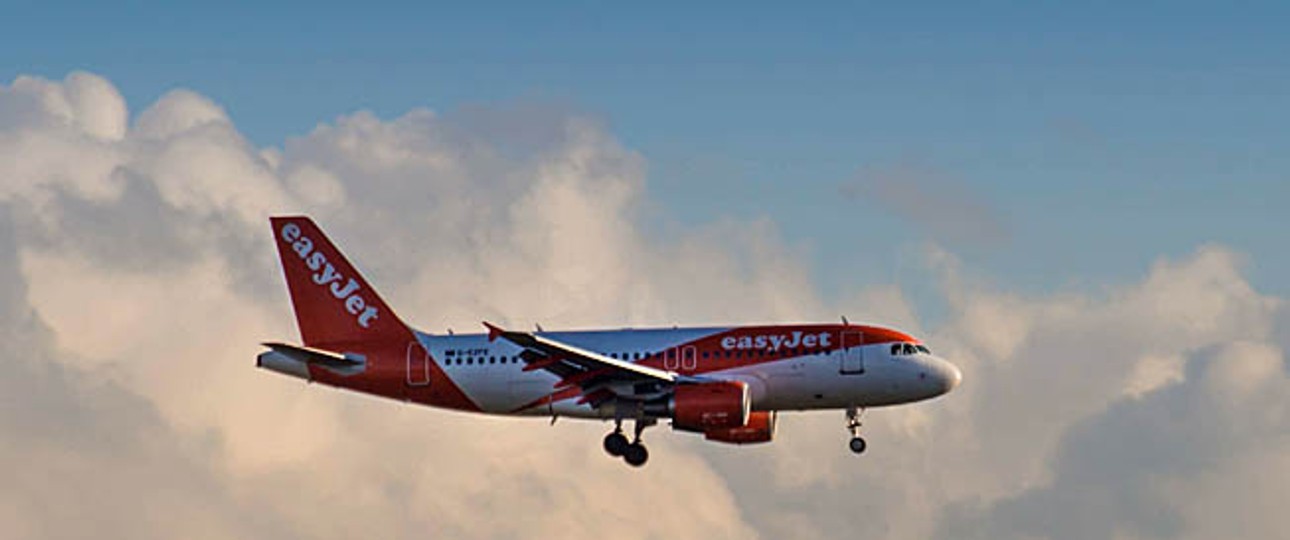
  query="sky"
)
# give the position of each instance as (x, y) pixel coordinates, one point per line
(1078, 205)
(1094, 137)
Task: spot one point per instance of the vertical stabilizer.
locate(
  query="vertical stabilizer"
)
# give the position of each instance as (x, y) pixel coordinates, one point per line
(333, 303)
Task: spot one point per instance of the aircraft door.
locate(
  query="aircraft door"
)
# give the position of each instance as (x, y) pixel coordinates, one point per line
(852, 353)
(418, 365)
(689, 358)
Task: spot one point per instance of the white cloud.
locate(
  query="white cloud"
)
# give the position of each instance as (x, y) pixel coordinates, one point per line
(137, 276)
(1196, 459)
(254, 453)
(85, 102)
(177, 112)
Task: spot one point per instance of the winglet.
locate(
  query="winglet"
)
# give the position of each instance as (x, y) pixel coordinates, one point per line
(493, 331)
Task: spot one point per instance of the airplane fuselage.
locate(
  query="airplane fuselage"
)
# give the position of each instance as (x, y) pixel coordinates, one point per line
(787, 367)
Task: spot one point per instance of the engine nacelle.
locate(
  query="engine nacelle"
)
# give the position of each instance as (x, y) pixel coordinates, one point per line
(760, 429)
(714, 405)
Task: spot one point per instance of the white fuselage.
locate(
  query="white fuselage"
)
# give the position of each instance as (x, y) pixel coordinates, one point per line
(492, 375)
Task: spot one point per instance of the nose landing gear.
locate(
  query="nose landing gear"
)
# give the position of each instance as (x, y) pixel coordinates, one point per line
(857, 443)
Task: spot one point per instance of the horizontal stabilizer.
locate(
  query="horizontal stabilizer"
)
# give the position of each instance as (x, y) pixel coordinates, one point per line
(310, 355)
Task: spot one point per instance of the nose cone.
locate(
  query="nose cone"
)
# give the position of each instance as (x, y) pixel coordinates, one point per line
(945, 376)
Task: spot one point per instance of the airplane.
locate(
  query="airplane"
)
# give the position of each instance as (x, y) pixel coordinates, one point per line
(725, 383)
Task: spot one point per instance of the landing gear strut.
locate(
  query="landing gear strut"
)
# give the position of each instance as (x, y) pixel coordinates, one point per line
(857, 443)
(634, 452)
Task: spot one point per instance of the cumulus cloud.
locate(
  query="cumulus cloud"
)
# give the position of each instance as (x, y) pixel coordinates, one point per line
(141, 268)
(1202, 458)
(137, 275)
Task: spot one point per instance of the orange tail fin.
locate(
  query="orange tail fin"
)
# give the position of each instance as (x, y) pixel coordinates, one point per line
(333, 303)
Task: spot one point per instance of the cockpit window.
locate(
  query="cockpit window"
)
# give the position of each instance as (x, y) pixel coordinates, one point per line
(902, 349)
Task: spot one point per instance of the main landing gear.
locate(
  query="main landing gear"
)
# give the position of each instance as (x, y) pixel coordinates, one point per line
(634, 452)
(857, 443)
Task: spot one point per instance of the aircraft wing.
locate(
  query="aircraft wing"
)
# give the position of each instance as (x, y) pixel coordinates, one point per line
(577, 366)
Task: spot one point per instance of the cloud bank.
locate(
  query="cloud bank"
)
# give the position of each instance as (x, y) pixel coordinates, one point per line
(137, 276)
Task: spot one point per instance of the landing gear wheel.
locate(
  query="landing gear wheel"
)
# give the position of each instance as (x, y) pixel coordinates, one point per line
(857, 443)
(635, 454)
(616, 443)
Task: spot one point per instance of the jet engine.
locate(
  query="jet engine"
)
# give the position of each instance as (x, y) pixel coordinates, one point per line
(760, 429)
(714, 405)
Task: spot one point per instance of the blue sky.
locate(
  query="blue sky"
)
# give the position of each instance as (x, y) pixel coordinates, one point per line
(1099, 136)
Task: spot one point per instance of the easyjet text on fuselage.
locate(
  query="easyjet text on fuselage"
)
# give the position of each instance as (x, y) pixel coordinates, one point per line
(774, 342)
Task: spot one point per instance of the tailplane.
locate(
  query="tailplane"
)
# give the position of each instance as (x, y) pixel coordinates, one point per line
(334, 305)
